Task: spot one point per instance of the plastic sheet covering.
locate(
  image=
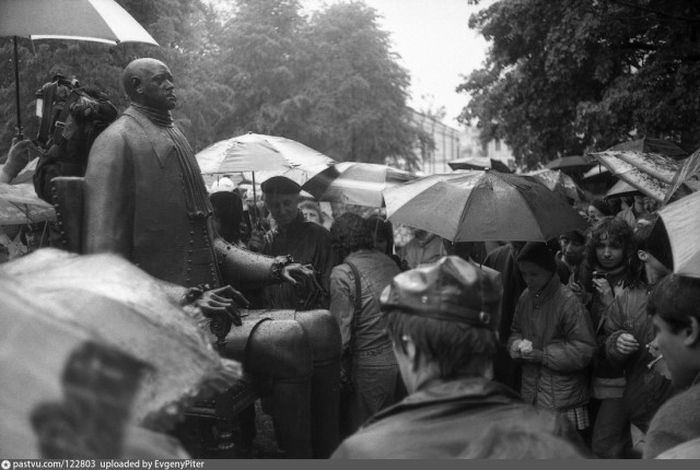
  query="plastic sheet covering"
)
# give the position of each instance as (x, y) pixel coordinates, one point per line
(106, 296)
(19, 204)
(65, 393)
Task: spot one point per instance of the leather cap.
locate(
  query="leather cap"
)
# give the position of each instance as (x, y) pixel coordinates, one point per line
(280, 185)
(450, 289)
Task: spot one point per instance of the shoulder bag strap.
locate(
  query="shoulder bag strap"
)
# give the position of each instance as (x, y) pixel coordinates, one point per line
(358, 302)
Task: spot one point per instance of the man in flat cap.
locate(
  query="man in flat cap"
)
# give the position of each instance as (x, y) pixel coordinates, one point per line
(306, 242)
(442, 320)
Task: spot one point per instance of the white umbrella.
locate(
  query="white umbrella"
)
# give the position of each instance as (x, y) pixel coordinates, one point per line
(81, 20)
(84, 20)
(682, 222)
(272, 155)
(356, 183)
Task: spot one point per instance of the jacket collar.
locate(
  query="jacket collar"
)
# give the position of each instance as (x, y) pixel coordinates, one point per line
(478, 390)
(548, 290)
(294, 225)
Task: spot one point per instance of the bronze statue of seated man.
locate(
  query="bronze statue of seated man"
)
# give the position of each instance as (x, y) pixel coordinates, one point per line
(143, 198)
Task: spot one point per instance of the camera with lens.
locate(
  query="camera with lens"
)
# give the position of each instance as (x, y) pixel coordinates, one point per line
(52, 99)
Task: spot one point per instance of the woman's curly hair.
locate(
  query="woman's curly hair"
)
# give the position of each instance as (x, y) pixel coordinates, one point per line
(350, 233)
(620, 233)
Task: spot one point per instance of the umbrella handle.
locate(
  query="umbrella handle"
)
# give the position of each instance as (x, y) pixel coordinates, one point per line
(20, 134)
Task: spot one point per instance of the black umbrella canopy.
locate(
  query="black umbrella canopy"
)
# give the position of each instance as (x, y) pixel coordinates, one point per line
(571, 162)
(479, 163)
(482, 206)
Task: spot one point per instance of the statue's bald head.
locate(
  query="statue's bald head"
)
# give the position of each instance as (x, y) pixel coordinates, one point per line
(137, 80)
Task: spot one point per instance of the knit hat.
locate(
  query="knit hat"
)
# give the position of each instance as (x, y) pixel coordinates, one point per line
(539, 254)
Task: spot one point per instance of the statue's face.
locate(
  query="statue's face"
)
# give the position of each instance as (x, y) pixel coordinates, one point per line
(157, 88)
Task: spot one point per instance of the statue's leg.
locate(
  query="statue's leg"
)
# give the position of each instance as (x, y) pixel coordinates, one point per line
(279, 349)
(324, 336)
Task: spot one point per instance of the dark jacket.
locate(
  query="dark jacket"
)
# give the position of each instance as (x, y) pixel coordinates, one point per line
(308, 243)
(376, 272)
(502, 259)
(442, 418)
(645, 389)
(557, 324)
(677, 421)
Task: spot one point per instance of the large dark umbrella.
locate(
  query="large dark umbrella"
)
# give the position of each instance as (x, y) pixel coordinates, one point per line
(479, 163)
(482, 206)
(558, 181)
(82, 20)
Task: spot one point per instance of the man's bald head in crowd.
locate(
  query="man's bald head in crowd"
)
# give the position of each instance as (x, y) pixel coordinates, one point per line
(149, 81)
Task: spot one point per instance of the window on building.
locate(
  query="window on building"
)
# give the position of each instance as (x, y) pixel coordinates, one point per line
(498, 145)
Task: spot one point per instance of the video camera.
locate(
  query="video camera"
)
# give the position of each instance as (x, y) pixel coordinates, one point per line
(52, 104)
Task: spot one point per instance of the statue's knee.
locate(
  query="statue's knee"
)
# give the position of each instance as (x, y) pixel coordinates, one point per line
(324, 334)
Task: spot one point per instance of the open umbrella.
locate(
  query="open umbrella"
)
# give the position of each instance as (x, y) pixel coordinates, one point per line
(571, 162)
(479, 163)
(650, 173)
(681, 220)
(132, 311)
(620, 189)
(266, 153)
(482, 206)
(19, 204)
(83, 20)
(652, 145)
(356, 183)
(595, 171)
(687, 177)
(558, 181)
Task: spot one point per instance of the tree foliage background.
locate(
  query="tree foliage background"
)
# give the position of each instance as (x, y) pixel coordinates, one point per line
(570, 76)
(329, 80)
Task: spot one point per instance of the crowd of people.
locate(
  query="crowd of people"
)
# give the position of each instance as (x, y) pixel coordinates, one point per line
(583, 346)
(574, 320)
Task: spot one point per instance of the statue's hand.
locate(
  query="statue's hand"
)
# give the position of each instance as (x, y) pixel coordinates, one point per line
(224, 300)
(296, 270)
